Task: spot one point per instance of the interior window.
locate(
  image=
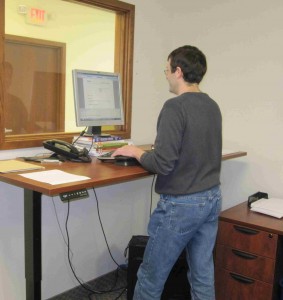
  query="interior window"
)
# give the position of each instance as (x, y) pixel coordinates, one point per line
(42, 45)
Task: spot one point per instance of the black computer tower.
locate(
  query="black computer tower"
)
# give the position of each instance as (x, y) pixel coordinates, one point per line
(176, 286)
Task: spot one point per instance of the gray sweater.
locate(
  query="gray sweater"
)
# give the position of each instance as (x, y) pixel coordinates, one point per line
(187, 155)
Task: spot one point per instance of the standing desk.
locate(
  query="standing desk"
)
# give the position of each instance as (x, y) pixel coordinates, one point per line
(100, 174)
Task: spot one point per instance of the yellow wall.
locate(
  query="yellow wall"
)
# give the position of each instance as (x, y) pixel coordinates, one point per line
(88, 32)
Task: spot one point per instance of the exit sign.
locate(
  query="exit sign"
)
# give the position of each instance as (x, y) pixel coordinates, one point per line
(36, 16)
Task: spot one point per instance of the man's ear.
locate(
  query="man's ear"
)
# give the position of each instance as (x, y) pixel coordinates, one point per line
(179, 72)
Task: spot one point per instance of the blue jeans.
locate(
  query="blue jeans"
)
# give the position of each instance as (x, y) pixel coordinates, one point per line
(187, 222)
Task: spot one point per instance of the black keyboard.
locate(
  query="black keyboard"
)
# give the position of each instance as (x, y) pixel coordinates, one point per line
(106, 156)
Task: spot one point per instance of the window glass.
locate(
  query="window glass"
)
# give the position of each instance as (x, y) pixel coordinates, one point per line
(41, 42)
(87, 33)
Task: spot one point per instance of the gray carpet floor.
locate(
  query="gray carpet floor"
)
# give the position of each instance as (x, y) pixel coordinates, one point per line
(111, 286)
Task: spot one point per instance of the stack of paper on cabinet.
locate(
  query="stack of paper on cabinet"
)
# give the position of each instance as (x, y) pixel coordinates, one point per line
(272, 207)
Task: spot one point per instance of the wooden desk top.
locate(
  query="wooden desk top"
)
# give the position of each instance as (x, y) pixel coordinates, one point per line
(101, 174)
(232, 155)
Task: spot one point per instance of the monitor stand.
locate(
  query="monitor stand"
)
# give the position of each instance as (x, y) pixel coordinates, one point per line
(96, 131)
(93, 130)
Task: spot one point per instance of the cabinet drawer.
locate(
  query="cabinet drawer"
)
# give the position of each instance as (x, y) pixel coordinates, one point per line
(247, 239)
(232, 286)
(244, 263)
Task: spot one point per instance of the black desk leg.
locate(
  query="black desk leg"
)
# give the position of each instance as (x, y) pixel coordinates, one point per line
(32, 215)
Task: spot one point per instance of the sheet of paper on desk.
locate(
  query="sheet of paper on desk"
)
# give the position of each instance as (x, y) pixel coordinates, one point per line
(272, 207)
(54, 177)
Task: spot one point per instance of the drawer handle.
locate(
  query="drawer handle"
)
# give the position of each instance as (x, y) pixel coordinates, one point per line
(244, 254)
(245, 230)
(242, 278)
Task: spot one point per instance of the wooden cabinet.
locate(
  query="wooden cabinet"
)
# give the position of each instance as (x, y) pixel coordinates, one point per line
(248, 256)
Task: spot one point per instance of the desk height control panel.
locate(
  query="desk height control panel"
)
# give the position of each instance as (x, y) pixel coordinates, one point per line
(74, 195)
(248, 257)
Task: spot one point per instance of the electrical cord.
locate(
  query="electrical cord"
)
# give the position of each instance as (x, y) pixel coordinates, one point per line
(92, 141)
(124, 290)
(64, 239)
(112, 289)
(59, 225)
(82, 284)
(69, 259)
(81, 134)
(98, 213)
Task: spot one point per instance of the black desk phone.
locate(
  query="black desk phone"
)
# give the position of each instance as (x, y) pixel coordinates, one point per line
(67, 151)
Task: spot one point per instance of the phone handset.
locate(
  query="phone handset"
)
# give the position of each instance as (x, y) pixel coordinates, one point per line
(67, 150)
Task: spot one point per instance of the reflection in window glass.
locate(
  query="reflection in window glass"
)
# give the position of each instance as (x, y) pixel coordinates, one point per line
(14, 106)
(88, 34)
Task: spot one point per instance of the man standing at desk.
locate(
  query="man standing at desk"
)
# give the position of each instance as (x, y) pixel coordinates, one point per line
(187, 161)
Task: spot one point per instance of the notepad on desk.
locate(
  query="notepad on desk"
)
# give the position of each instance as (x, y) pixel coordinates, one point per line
(13, 165)
(272, 207)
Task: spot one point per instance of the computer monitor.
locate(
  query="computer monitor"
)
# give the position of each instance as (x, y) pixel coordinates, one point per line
(98, 99)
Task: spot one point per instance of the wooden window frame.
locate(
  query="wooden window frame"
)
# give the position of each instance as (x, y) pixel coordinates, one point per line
(124, 44)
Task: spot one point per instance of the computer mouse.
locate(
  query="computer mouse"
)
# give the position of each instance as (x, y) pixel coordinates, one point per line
(125, 161)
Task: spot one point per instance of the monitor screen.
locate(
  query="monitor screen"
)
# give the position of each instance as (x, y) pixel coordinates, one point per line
(98, 99)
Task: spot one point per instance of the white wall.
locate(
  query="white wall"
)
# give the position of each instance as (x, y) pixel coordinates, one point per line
(243, 45)
(242, 41)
